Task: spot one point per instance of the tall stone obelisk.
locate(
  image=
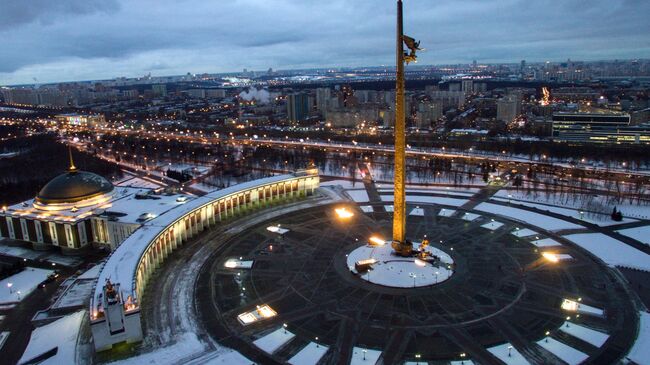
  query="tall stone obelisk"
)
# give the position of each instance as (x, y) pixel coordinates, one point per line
(399, 214)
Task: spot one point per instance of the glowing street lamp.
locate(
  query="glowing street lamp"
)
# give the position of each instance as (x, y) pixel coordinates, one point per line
(343, 213)
(550, 257)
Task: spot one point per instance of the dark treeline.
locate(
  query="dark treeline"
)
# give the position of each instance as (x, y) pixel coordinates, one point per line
(37, 160)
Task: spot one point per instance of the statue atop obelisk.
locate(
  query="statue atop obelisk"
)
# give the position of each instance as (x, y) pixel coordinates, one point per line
(400, 244)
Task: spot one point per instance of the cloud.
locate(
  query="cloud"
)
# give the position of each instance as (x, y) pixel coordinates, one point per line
(97, 39)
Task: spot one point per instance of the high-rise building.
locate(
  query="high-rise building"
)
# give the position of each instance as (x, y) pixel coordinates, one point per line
(159, 89)
(508, 108)
(297, 107)
(467, 86)
(323, 95)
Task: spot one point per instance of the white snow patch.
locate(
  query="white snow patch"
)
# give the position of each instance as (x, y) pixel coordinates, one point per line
(446, 212)
(428, 200)
(389, 208)
(611, 251)
(536, 219)
(523, 232)
(546, 242)
(309, 355)
(470, 216)
(566, 353)
(343, 183)
(61, 334)
(359, 354)
(502, 352)
(401, 272)
(417, 212)
(359, 196)
(274, 340)
(641, 234)
(92, 273)
(492, 226)
(22, 284)
(640, 351)
(586, 334)
(186, 345)
(367, 208)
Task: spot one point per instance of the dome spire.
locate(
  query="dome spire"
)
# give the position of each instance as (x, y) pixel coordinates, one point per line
(72, 167)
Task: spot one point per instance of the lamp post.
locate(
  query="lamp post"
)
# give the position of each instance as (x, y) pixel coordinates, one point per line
(509, 351)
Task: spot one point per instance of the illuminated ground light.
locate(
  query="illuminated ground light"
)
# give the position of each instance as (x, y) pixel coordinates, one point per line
(374, 240)
(343, 213)
(556, 257)
(238, 264)
(261, 312)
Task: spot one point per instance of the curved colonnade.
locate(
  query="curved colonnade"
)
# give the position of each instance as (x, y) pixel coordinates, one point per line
(115, 307)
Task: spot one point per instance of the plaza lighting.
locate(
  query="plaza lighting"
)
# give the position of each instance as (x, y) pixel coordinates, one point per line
(550, 257)
(376, 241)
(343, 213)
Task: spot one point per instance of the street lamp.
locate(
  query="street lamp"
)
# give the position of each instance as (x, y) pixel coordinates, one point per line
(9, 285)
(417, 356)
(547, 333)
(509, 351)
(364, 353)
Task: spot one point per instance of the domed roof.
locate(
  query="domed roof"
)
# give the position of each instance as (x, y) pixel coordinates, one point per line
(73, 186)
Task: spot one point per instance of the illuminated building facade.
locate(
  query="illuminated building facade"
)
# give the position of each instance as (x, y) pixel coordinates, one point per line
(599, 128)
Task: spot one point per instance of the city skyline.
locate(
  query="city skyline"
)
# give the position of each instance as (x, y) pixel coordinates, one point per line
(75, 41)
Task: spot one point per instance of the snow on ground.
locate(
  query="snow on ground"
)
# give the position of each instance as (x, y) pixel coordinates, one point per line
(76, 294)
(641, 234)
(417, 212)
(343, 183)
(567, 353)
(453, 191)
(226, 358)
(446, 212)
(274, 340)
(309, 355)
(186, 345)
(204, 187)
(599, 219)
(359, 196)
(546, 242)
(428, 199)
(359, 354)
(612, 251)
(502, 352)
(470, 216)
(401, 272)
(536, 219)
(136, 182)
(69, 261)
(462, 362)
(61, 334)
(92, 273)
(16, 287)
(492, 226)
(389, 208)
(366, 208)
(586, 334)
(640, 351)
(23, 253)
(523, 232)
(277, 229)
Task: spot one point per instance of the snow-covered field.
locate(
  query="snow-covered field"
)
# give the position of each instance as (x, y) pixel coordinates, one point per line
(345, 184)
(16, 287)
(565, 352)
(274, 340)
(536, 219)
(641, 234)
(359, 196)
(611, 251)
(586, 334)
(428, 200)
(640, 351)
(363, 356)
(508, 354)
(61, 334)
(594, 218)
(309, 355)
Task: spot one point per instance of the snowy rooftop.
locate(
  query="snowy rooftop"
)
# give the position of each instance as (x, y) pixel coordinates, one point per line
(122, 264)
(60, 335)
(122, 201)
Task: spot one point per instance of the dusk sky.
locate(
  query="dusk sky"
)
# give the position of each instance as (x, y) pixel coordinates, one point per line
(66, 40)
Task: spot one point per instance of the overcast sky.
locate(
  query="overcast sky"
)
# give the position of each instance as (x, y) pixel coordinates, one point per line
(63, 40)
